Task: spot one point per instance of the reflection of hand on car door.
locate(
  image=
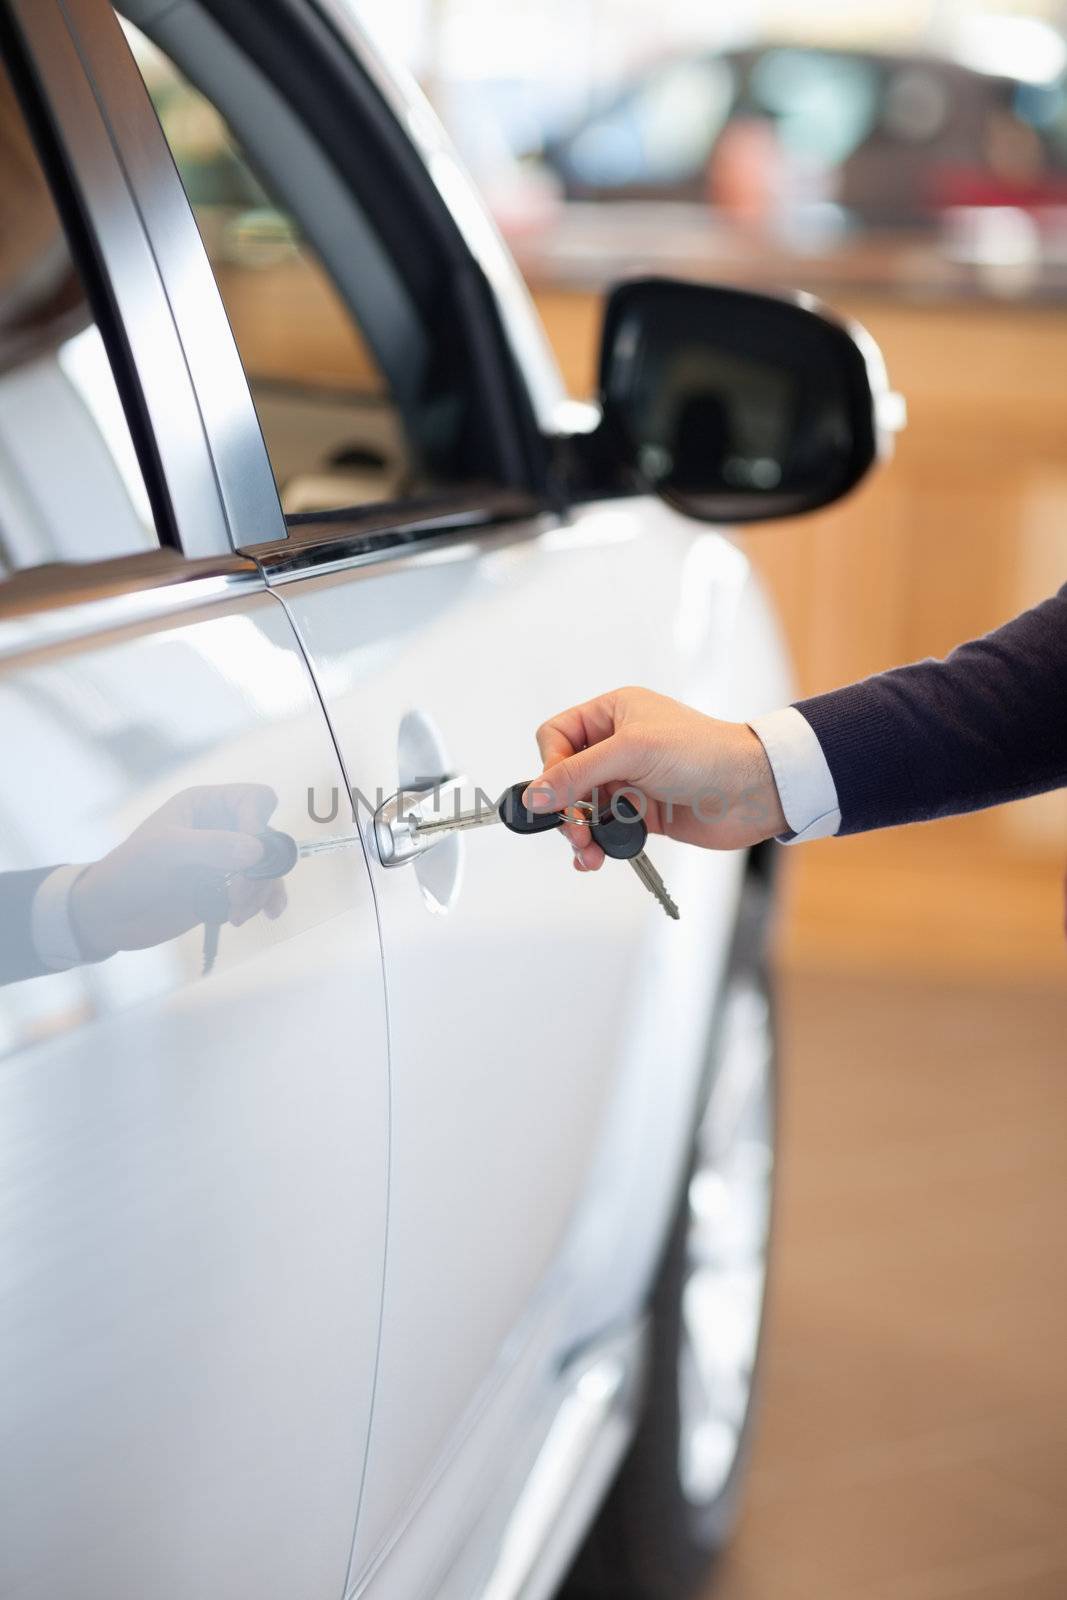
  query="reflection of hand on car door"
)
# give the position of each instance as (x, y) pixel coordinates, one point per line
(183, 865)
(150, 888)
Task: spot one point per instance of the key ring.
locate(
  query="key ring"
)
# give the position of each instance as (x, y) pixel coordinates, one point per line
(579, 805)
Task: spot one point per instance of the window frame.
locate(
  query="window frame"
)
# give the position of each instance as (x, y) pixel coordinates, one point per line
(178, 369)
(385, 147)
(137, 246)
(330, 85)
(299, 177)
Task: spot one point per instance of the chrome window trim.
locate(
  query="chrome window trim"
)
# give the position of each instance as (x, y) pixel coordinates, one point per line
(49, 608)
(214, 463)
(380, 535)
(52, 606)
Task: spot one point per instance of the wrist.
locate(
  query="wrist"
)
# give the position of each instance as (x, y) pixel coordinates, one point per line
(87, 922)
(758, 803)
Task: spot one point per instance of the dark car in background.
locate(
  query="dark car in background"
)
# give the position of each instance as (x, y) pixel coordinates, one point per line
(890, 140)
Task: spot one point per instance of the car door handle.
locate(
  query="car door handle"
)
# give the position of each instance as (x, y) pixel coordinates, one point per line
(397, 822)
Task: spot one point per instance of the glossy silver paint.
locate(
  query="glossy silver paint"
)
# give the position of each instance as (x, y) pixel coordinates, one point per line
(534, 1163)
(191, 1249)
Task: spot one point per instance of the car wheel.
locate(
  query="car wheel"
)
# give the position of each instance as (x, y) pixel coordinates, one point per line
(675, 1500)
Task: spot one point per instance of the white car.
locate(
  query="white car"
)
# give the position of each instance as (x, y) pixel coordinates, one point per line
(394, 1224)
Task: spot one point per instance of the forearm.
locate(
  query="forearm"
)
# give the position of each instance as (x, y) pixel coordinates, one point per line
(986, 725)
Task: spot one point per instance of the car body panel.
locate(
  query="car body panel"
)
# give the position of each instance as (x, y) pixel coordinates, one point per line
(539, 1117)
(195, 1166)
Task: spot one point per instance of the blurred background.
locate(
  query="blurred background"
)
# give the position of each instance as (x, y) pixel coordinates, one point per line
(907, 162)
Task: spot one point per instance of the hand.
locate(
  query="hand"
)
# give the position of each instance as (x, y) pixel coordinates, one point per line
(699, 780)
(151, 887)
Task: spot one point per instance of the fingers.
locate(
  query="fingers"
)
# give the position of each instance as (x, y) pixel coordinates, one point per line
(587, 853)
(216, 848)
(573, 777)
(251, 805)
(276, 902)
(231, 854)
(557, 741)
(560, 741)
(572, 769)
(591, 859)
(573, 730)
(244, 807)
(248, 897)
(577, 835)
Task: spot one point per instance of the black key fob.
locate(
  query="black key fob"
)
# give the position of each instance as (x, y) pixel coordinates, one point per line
(620, 831)
(514, 815)
(211, 903)
(280, 855)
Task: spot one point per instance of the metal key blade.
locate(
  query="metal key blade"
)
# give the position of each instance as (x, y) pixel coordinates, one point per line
(654, 884)
(211, 947)
(320, 847)
(459, 822)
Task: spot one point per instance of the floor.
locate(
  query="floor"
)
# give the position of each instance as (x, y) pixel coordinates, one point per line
(913, 1439)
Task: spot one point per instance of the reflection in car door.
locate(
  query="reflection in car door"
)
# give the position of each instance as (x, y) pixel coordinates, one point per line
(192, 1244)
(194, 1141)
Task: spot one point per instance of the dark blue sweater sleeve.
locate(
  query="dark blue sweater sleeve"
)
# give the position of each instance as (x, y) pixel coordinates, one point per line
(985, 725)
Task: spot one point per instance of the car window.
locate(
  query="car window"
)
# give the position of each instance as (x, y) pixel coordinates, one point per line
(71, 487)
(823, 104)
(335, 430)
(661, 133)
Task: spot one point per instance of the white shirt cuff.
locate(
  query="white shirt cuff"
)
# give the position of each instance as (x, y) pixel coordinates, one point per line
(805, 783)
(50, 925)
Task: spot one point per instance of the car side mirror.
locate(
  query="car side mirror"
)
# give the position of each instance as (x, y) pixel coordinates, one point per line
(739, 407)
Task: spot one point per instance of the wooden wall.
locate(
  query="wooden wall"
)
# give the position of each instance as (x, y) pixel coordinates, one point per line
(967, 526)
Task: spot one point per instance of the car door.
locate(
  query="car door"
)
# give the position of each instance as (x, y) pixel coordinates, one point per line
(544, 1032)
(194, 1148)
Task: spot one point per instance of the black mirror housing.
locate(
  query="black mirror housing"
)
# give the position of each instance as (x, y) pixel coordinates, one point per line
(739, 407)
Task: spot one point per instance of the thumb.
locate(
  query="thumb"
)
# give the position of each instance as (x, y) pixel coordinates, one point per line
(576, 776)
(216, 848)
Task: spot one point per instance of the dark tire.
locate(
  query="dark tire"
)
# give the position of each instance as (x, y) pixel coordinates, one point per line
(674, 1504)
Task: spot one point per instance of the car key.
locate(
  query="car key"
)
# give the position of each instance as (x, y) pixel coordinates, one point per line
(212, 907)
(621, 834)
(332, 841)
(211, 947)
(509, 810)
(280, 853)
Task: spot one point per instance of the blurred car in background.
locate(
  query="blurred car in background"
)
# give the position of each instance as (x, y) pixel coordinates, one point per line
(885, 140)
(808, 146)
